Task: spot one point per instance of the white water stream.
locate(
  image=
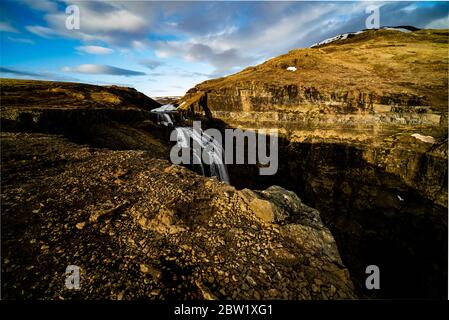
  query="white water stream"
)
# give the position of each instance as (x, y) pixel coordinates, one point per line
(208, 145)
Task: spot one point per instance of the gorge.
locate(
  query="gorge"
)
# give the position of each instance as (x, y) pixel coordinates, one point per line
(361, 180)
(88, 182)
(353, 147)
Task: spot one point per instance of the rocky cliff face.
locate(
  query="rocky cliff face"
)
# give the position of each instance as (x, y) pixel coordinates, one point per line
(91, 186)
(111, 117)
(363, 129)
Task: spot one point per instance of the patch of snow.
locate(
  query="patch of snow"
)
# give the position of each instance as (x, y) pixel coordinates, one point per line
(427, 139)
(337, 37)
(344, 36)
(291, 68)
(400, 198)
(165, 108)
(397, 29)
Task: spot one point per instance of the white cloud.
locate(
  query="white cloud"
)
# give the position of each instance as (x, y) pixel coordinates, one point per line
(94, 50)
(223, 60)
(41, 31)
(276, 28)
(17, 72)
(410, 8)
(109, 22)
(442, 23)
(21, 40)
(6, 27)
(151, 64)
(102, 69)
(41, 5)
(120, 20)
(40, 74)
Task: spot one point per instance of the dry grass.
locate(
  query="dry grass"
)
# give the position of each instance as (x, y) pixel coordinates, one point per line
(380, 62)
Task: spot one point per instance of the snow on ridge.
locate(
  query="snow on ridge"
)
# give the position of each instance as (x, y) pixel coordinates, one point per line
(397, 29)
(344, 36)
(291, 69)
(329, 40)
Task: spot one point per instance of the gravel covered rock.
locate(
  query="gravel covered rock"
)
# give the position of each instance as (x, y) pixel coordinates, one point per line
(141, 228)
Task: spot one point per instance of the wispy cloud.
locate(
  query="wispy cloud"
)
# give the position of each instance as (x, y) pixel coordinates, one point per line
(6, 27)
(27, 74)
(156, 74)
(41, 5)
(442, 23)
(222, 60)
(13, 71)
(110, 22)
(94, 50)
(41, 31)
(21, 40)
(151, 64)
(102, 69)
(188, 74)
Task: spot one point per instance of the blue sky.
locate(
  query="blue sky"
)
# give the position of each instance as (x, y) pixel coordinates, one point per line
(165, 48)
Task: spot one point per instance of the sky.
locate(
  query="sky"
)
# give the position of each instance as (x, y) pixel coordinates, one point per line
(166, 48)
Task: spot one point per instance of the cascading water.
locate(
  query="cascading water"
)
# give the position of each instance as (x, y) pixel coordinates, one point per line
(208, 147)
(163, 114)
(164, 118)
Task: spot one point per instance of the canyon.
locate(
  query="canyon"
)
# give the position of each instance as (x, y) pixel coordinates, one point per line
(91, 185)
(363, 138)
(362, 180)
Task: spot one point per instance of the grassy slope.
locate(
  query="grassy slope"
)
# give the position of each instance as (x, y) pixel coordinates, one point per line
(379, 62)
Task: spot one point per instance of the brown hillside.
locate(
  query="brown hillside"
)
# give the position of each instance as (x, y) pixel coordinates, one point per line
(384, 67)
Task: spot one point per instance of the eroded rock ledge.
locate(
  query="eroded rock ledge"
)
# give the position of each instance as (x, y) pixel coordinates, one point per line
(139, 227)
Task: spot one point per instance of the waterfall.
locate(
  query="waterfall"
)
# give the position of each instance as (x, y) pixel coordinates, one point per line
(163, 114)
(164, 118)
(209, 146)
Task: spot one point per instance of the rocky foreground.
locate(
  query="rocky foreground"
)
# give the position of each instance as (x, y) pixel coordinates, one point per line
(141, 228)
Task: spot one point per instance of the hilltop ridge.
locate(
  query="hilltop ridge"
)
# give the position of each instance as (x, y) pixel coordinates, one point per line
(38, 94)
(372, 69)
